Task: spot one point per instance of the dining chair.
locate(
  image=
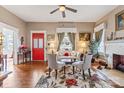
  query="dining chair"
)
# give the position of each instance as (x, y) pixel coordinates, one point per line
(86, 65)
(61, 63)
(52, 64)
(77, 63)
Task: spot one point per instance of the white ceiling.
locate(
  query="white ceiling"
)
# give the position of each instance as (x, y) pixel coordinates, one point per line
(40, 13)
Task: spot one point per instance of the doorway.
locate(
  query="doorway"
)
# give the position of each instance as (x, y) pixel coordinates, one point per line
(38, 39)
(10, 44)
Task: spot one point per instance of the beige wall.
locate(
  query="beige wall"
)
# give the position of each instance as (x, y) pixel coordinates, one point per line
(50, 27)
(109, 19)
(12, 20)
(25, 27)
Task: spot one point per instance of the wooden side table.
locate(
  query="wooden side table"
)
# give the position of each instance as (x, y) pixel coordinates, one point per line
(24, 57)
(27, 55)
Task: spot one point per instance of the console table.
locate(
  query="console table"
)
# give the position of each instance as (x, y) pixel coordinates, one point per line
(24, 57)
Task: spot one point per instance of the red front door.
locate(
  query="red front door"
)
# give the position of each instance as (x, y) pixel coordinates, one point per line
(38, 46)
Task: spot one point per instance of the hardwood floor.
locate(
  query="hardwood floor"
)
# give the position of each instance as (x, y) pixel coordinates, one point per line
(24, 75)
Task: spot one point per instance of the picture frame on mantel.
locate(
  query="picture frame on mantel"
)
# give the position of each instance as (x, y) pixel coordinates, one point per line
(119, 21)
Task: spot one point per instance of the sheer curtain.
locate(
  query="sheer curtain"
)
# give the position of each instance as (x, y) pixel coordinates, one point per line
(72, 39)
(60, 38)
(98, 37)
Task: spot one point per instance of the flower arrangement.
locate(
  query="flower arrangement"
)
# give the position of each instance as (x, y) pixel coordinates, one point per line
(23, 48)
(93, 47)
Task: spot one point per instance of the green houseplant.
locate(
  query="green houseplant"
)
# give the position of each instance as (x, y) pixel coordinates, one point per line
(93, 46)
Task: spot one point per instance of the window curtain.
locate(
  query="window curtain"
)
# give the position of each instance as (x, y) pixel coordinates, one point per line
(98, 38)
(60, 38)
(72, 39)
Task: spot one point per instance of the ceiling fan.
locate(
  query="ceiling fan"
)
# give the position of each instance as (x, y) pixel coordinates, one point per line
(62, 9)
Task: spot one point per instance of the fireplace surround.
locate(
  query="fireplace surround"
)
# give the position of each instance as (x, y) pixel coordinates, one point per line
(114, 47)
(118, 62)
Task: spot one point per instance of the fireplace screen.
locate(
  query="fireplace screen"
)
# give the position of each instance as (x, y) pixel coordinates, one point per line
(118, 62)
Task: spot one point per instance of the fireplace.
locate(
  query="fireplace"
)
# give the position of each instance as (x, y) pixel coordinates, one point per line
(118, 62)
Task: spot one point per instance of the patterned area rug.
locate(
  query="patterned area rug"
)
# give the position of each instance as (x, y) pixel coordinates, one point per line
(70, 80)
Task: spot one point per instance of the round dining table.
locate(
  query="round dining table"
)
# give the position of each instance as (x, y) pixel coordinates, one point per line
(69, 60)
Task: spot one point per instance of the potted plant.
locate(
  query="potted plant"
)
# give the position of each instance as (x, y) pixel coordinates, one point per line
(93, 46)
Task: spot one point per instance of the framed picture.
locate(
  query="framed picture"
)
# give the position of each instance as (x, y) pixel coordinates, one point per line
(119, 21)
(84, 36)
(51, 37)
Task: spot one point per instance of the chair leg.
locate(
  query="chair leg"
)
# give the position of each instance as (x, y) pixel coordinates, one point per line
(49, 71)
(56, 73)
(64, 70)
(89, 72)
(83, 74)
(73, 69)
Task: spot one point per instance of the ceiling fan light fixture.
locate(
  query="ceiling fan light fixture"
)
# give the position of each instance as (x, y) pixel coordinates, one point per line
(62, 8)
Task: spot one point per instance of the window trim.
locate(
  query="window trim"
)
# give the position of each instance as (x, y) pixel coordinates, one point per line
(100, 27)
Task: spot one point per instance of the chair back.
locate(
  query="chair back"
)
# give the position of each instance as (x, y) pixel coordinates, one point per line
(87, 61)
(52, 61)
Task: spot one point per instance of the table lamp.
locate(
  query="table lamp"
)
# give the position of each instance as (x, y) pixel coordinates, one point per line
(83, 45)
(52, 47)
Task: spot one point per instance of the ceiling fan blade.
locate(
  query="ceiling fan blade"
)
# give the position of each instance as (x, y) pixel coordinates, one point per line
(73, 10)
(63, 14)
(54, 11)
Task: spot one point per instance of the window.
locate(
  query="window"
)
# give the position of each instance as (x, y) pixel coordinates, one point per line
(11, 41)
(101, 47)
(8, 41)
(66, 43)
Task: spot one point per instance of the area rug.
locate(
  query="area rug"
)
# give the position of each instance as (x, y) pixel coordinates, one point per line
(70, 80)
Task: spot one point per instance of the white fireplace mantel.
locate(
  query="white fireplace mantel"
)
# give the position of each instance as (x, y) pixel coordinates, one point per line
(114, 47)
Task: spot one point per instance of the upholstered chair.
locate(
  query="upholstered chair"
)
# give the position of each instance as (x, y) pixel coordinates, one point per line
(78, 61)
(76, 64)
(52, 63)
(86, 65)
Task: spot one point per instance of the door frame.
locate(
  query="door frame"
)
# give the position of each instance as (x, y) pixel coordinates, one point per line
(39, 31)
(15, 40)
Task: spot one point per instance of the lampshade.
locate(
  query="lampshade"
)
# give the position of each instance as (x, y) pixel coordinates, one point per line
(83, 44)
(52, 45)
(1, 37)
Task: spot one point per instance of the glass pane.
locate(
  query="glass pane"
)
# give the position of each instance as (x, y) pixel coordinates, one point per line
(35, 43)
(8, 41)
(66, 43)
(40, 43)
